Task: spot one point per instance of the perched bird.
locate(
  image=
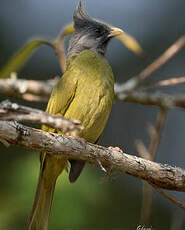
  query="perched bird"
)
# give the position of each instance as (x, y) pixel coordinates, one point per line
(85, 92)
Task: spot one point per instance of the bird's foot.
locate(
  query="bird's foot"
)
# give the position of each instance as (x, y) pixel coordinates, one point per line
(117, 149)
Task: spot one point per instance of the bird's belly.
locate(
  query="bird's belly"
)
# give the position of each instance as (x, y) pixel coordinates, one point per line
(92, 108)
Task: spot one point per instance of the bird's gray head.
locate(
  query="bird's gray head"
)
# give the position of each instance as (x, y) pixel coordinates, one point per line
(90, 33)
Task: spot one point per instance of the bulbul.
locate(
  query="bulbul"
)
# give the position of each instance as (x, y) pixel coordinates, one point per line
(85, 92)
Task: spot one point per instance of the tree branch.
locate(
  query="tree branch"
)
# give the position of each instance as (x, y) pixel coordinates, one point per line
(14, 112)
(158, 99)
(29, 90)
(161, 175)
(40, 91)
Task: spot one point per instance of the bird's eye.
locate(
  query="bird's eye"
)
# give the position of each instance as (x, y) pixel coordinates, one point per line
(99, 32)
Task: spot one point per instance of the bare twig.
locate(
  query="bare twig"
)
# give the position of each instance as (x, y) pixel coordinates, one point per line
(29, 90)
(14, 112)
(146, 204)
(142, 150)
(147, 190)
(157, 99)
(155, 135)
(161, 60)
(163, 176)
(170, 197)
(59, 45)
(162, 83)
(134, 82)
(171, 81)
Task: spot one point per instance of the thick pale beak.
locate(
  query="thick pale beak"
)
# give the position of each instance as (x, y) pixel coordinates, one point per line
(115, 32)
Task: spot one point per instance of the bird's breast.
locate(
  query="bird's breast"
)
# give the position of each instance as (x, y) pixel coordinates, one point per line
(93, 97)
(92, 107)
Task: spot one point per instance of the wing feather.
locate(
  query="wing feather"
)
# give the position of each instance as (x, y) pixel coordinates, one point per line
(61, 97)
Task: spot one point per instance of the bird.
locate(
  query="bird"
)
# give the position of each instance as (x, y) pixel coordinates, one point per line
(85, 92)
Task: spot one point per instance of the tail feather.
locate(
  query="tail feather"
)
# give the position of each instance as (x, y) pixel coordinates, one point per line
(76, 169)
(51, 167)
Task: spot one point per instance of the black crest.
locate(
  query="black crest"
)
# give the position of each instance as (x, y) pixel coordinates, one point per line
(89, 33)
(80, 16)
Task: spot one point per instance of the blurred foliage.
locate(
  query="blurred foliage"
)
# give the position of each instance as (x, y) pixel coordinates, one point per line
(131, 43)
(18, 60)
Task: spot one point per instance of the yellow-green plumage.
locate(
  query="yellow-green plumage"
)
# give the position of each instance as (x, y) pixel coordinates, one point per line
(88, 92)
(85, 92)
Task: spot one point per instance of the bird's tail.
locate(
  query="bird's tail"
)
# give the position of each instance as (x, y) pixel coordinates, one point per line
(51, 167)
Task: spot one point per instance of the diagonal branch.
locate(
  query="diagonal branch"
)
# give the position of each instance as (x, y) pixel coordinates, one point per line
(161, 175)
(170, 197)
(14, 112)
(161, 60)
(134, 82)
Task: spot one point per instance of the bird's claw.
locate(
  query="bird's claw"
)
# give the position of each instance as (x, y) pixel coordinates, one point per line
(117, 149)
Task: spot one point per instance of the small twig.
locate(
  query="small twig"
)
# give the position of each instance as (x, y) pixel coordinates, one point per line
(161, 60)
(59, 45)
(155, 137)
(162, 83)
(14, 112)
(162, 100)
(170, 197)
(134, 82)
(147, 190)
(142, 150)
(146, 204)
(171, 81)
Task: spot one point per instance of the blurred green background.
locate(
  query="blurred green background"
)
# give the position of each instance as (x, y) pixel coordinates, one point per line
(95, 201)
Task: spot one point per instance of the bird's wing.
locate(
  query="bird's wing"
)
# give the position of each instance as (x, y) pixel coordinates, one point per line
(61, 97)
